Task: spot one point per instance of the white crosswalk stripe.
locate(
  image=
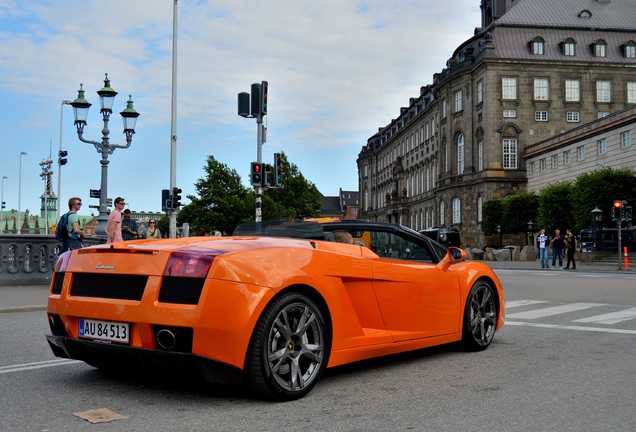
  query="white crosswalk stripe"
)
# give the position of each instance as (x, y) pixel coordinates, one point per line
(533, 310)
(610, 318)
(554, 310)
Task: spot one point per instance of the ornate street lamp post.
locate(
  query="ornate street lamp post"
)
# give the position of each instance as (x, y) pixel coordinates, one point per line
(129, 116)
(500, 238)
(597, 217)
(2, 205)
(20, 193)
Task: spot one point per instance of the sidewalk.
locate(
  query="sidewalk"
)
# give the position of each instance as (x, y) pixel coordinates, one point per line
(23, 298)
(27, 298)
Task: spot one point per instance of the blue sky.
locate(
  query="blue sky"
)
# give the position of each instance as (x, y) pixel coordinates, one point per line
(337, 71)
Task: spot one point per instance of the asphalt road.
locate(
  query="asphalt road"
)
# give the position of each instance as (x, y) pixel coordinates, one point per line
(563, 362)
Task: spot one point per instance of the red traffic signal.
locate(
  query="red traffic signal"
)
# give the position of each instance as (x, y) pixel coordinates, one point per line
(617, 210)
(256, 175)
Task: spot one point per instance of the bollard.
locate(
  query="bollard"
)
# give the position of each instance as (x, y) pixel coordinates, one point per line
(625, 258)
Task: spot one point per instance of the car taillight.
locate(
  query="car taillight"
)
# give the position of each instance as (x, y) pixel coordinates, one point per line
(190, 263)
(62, 261)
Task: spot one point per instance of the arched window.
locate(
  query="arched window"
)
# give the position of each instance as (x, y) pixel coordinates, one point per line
(537, 46)
(460, 154)
(457, 211)
(441, 213)
(568, 47)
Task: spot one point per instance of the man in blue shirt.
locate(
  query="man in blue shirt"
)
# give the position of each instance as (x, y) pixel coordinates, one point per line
(129, 228)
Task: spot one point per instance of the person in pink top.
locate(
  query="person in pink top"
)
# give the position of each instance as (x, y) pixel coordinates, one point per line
(113, 228)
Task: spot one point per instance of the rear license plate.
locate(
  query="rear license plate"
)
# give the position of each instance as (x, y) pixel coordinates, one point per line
(104, 330)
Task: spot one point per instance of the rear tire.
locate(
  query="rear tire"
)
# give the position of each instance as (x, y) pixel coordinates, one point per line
(480, 317)
(289, 348)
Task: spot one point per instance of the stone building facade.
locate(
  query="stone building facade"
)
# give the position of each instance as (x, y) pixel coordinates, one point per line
(535, 69)
(608, 142)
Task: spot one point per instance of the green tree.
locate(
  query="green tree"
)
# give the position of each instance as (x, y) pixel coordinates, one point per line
(221, 203)
(298, 198)
(164, 225)
(555, 207)
(520, 209)
(492, 213)
(600, 189)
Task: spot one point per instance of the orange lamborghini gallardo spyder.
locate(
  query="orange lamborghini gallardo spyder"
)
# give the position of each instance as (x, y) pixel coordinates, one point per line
(271, 306)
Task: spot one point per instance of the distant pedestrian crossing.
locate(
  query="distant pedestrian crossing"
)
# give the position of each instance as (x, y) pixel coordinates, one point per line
(534, 313)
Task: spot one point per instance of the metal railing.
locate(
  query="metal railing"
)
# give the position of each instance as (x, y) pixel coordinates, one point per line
(29, 259)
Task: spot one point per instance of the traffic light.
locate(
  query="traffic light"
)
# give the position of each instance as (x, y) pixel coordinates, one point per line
(256, 99)
(166, 202)
(278, 170)
(256, 174)
(264, 86)
(4, 205)
(62, 160)
(267, 175)
(176, 198)
(617, 211)
(628, 213)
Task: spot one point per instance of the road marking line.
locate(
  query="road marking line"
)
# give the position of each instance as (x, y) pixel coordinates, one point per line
(37, 365)
(570, 327)
(554, 310)
(611, 317)
(518, 303)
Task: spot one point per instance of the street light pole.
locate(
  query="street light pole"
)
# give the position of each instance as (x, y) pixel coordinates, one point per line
(129, 116)
(20, 192)
(2, 206)
(59, 161)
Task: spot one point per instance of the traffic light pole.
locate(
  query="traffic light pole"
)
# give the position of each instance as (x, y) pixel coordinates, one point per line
(620, 265)
(258, 190)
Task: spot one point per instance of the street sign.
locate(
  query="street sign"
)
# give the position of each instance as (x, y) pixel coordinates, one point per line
(95, 193)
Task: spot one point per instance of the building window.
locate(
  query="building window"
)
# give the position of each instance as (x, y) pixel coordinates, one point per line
(603, 91)
(441, 213)
(540, 89)
(602, 114)
(459, 101)
(510, 113)
(569, 47)
(460, 154)
(572, 116)
(531, 168)
(629, 49)
(626, 139)
(543, 164)
(602, 146)
(555, 161)
(572, 90)
(480, 91)
(541, 116)
(457, 211)
(509, 88)
(480, 155)
(631, 92)
(600, 48)
(567, 157)
(365, 170)
(538, 46)
(509, 153)
(580, 153)
(444, 108)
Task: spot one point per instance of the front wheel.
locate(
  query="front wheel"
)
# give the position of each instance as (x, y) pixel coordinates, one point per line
(480, 317)
(289, 348)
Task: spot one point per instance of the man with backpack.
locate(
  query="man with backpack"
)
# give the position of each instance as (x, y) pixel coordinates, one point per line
(71, 229)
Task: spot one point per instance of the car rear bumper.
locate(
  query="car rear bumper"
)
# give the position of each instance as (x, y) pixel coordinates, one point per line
(155, 362)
